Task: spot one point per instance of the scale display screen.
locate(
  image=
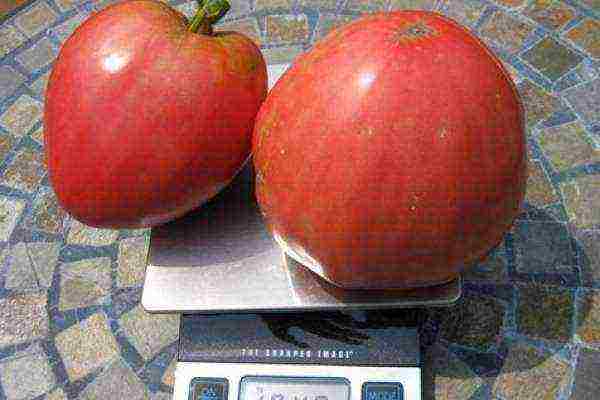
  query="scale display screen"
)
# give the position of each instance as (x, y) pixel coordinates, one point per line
(284, 388)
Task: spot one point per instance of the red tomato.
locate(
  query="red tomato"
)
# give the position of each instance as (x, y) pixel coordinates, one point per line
(146, 119)
(392, 154)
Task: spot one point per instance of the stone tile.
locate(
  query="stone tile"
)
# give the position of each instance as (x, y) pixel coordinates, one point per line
(542, 247)
(116, 381)
(149, 333)
(238, 8)
(412, 4)
(102, 4)
(87, 346)
(540, 191)
(588, 318)
(84, 283)
(551, 14)
(10, 80)
(38, 56)
(44, 258)
(511, 3)
(20, 275)
(567, 146)
(466, 12)
(46, 214)
(57, 394)
(531, 374)
(450, 377)
(282, 5)
(327, 23)
(10, 39)
(25, 171)
(39, 86)
(65, 29)
(589, 242)
(36, 19)
(587, 380)
(584, 100)
(539, 104)
(23, 318)
(38, 135)
(169, 375)
(282, 55)
(579, 196)
(586, 35)
(10, 212)
(319, 4)
(21, 116)
(493, 269)
(551, 58)
(247, 26)
(505, 30)
(66, 5)
(132, 261)
(545, 312)
(86, 235)
(592, 4)
(286, 29)
(475, 322)
(27, 374)
(366, 6)
(6, 144)
(161, 396)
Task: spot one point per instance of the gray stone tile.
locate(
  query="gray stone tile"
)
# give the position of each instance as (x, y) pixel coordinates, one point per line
(589, 240)
(542, 247)
(328, 23)
(46, 214)
(21, 116)
(585, 100)
(38, 135)
(66, 5)
(412, 4)
(39, 86)
(10, 80)
(116, 381)
(580, 195)
(161, 396)
(588, 318)
(36, 19)
(282, 55)
(545, 312)
(530, 373)
(587, 378)
(169, 375)
(44, 258)
(567, 146)
(451, 378)
(57, 394)
(551, 58)
(132, 261)
(287, 29)
(87, 235)
(505, 30)
(87, 346)
(540, 191)
(10, 212)
(20, 275)
(149, 333)
(23, 318)
(6, 145)
(84, 283)
(539, 104)
(465, 12)
(25, 171)
(66, 28)
(38, 56)
(27, 374)
(550, 14)
(10, 39)
(586, 35)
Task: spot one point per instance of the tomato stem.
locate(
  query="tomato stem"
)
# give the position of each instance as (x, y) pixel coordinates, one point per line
(209, 12)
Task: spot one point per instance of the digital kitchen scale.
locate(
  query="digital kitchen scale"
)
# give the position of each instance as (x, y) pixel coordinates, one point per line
(257, 325)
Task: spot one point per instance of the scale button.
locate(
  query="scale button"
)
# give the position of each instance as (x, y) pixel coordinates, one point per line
(208, 389)
(382, 391)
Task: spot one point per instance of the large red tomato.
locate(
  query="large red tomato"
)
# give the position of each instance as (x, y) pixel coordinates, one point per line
(392, 154)
(145, 118)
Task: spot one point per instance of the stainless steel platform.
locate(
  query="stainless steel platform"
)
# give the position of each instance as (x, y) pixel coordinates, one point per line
(221, 258)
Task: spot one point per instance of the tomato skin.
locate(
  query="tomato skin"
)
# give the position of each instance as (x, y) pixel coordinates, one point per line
(145, 120)
(393, 153)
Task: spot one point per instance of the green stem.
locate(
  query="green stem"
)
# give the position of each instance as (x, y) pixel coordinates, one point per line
(209, 12)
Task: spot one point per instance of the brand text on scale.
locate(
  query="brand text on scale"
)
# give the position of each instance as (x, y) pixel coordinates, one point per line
(295, 353)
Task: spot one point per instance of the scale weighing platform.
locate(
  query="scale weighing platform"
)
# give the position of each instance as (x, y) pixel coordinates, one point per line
(257, 325)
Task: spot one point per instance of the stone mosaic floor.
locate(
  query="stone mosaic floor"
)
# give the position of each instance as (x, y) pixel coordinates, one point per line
(528, 327)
